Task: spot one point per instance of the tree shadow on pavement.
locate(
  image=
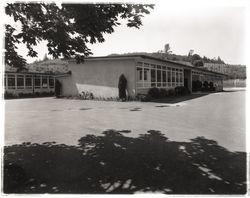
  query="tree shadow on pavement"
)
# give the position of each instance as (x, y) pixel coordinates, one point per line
(114, 163)
(177, 99)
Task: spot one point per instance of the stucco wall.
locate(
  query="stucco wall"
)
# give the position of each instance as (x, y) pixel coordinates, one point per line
(99, 77)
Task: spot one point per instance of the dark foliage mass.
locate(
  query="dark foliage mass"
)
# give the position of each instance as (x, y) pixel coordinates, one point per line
(156, 93)
(114, 163)
(67, 29)
(122, 87)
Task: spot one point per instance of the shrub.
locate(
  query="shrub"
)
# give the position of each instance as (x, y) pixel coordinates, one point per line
(197, 85)
(181, 91)
(122, 85)
(205, 85)
(171, 92)
(8, 95)
(211, 86)
(86, 95)
(154, 92)
(163, 93)
(143, 97)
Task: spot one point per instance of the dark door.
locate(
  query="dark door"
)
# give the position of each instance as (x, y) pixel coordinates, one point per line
(186, 83)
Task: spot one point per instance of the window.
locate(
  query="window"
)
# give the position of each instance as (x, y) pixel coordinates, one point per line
(51, 82)
(173, 77)
(5, 81)
(28, 82)
(164, 78)
(153, 78)
(20, 82)
(151, 75)
(169, 76)
(145, 75)
(139, 64)
(44, 82)
(38, 82)
(177, 77)
(158, 78)
(11, 82)
(139, 73)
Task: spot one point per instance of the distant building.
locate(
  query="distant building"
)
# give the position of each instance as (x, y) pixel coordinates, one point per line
(35, 78)
(28, 83)
(100, 75)
(233, 71)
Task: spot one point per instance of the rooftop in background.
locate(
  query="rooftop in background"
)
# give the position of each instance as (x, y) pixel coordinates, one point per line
(55, 66)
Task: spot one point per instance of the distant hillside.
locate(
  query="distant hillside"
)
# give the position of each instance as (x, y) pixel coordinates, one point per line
(217, 65)
(56, 66)
(234, 71)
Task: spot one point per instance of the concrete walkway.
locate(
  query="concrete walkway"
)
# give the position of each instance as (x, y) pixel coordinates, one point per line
(218, 116)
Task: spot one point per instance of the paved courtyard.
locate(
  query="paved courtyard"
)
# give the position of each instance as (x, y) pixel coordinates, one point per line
(218, 116)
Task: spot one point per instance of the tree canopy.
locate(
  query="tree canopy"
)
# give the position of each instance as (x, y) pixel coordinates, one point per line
(66, 28)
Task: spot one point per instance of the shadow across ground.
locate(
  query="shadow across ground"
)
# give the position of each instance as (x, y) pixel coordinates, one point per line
(175, 99)
(114, 163)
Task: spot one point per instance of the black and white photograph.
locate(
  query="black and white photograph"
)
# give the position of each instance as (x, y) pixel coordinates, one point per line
(124, 97)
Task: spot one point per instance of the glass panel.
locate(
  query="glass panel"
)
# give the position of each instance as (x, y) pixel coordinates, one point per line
(44, 82)
(145, 75)
(28, 81)
(158, 75)
(139, 64)
(164, 67)
(169, 76)
(181, 76)
(20, 82)
(158, 66)
(164, 76)
(153, 78)
(51, 82)
(153, 74)
(139, 73)
(158, 78)
(177, 77)
(11, 82)
(173, 77)
(153, 66)
(146, 65)
(37, 82)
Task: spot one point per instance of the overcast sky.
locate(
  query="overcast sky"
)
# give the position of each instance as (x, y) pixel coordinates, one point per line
(210, 30)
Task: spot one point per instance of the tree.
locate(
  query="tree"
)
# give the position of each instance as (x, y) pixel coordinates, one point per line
(220, 61)
(197, 61)
(45, 58)
(122, 86)
(190, 53)
(167, 49)
(67, 29)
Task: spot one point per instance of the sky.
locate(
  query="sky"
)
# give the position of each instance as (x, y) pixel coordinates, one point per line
(210, 29)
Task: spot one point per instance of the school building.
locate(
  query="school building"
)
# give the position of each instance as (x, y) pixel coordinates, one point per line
(100, 75)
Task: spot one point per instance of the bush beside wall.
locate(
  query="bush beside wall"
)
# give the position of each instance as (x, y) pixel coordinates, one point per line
(8, 95)
(156, 93)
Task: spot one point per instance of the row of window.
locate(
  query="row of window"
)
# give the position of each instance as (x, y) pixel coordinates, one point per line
(12, 81)
(150, 75)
